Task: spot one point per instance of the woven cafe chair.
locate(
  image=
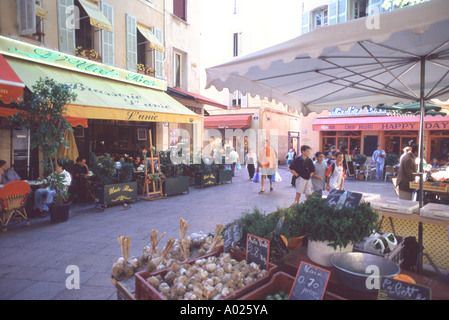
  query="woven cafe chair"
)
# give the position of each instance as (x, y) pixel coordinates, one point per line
(13, 198)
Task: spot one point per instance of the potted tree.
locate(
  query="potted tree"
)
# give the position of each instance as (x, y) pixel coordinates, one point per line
(331, 229)
(360, 160)
(42, 114)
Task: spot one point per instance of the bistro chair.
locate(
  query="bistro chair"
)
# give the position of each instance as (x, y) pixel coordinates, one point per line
(370, 173)
(389, 171)
(13, 199)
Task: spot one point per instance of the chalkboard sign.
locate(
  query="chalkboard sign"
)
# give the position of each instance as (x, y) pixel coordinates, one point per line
(232, 235)
(310, 283)
(258, 251)
(340, 198)
(393, 289)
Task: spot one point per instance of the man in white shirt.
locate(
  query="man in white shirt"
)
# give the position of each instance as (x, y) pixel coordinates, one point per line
(39, 202)
(233, 159)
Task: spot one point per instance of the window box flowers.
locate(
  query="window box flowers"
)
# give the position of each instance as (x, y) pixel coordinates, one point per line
(90, 54)
(143, 69)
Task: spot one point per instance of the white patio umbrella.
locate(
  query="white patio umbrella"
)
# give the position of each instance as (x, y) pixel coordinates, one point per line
(396, 57)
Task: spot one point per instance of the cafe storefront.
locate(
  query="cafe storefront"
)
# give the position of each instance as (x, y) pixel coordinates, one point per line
(120, 106)
(361, 134)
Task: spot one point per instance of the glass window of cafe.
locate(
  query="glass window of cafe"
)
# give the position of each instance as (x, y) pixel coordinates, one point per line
(439, 144)
(346, 141)
(396, 141)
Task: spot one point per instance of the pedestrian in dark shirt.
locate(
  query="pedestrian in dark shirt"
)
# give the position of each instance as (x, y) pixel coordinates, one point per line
(302, 167)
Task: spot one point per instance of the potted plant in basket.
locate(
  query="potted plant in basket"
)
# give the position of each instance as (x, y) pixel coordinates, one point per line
(175, 181)
(360, 160)
(115, 180)
(330, 230)
(42, 114)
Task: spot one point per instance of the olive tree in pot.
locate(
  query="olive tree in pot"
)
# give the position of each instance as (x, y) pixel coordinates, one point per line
(42, 113)
(330, 229)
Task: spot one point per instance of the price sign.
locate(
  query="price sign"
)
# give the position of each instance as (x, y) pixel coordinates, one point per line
(393, 289)
(310, 283)
(258, 251)
(232, 235)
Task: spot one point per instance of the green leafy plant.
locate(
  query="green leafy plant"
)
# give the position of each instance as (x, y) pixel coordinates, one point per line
(43, 109)
(360, 159)
(318, 221)
(392, 159)
(105, 172)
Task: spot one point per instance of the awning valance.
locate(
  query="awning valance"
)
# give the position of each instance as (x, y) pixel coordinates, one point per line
(97, 18)
(386, 123)
(74, 121)
(239, 121)
(98, 98)
(11, 87)
(176, 92)
(154, 42)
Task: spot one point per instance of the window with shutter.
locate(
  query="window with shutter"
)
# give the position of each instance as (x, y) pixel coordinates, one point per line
(108, 37)
(179, 9)
(158, 55)
(131, 43)
(26, 16)
(66, 25)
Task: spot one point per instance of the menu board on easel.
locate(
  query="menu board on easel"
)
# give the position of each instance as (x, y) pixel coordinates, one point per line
(258, 251)
(310, 283)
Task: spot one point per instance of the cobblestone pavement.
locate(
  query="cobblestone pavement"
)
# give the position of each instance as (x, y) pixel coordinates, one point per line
(33, 260)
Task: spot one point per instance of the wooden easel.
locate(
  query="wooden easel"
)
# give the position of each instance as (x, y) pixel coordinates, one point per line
(157, 185)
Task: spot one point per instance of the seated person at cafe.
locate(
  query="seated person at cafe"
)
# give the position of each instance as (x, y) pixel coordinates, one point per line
(79, 185)
(44, 197)
(137, 162)
(7, 174)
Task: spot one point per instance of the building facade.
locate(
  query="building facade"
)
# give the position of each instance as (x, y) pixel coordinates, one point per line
(119, 57)
(359, 131)
(234, 28)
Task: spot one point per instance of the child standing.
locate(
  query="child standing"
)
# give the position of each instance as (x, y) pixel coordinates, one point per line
(303, 168)
(319, 176)
(336, 173)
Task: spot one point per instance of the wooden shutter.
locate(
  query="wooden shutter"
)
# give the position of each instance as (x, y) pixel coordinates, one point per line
(66, 15)
(342, 11)
(179, 9)
(332, 12)
(131, 43)
(305, 22)
(26, 16)
(158, 55)
(108, 37)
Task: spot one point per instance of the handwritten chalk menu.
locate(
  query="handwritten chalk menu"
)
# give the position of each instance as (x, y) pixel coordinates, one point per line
(258, 251)
(310, 283)
(232, 235)
(393, 289)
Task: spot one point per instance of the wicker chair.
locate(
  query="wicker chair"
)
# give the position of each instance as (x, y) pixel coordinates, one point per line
(13, 198)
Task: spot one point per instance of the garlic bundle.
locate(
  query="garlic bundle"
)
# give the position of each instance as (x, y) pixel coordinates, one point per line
(124, 267)
(206, 279)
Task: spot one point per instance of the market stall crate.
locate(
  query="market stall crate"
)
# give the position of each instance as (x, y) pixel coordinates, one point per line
(280, 282)
(145, 291)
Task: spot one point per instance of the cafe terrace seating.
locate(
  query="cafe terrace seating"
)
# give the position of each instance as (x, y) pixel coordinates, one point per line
(13, 198)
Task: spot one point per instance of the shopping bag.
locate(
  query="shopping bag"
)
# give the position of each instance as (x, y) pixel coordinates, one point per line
(256, 177)
(228, 167)
(239, 167)
(276, 177)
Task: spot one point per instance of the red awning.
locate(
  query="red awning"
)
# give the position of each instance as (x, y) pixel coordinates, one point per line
(238, 121)
(11, 87)
(74, 121)
(386, 123)
(197, 97)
